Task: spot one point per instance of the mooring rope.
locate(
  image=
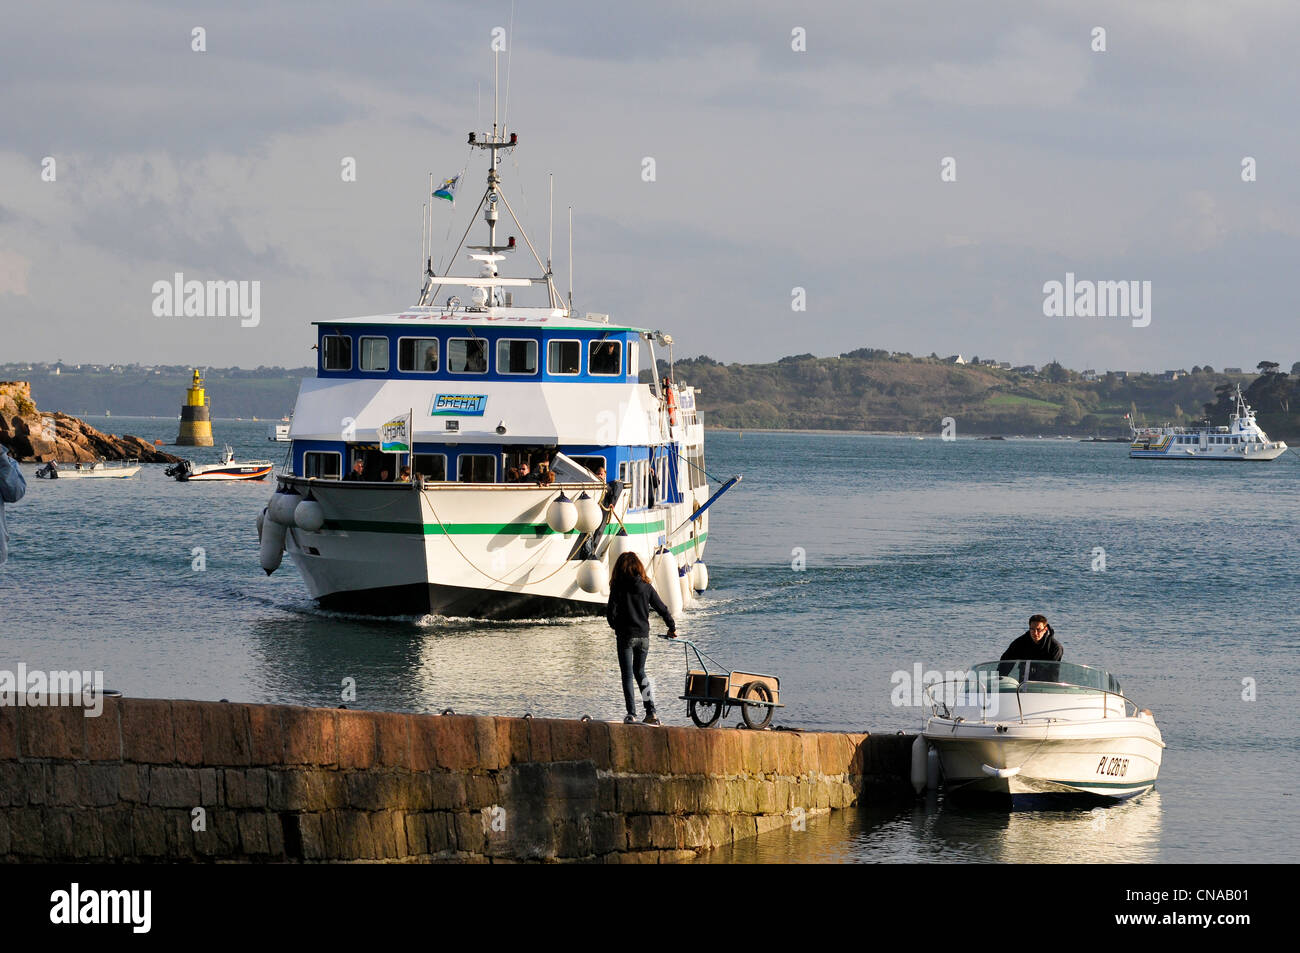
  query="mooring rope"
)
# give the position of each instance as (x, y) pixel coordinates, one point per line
(541, 552)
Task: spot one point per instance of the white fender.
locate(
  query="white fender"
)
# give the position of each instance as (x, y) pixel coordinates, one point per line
(272, 545)
(280, 509)
(261, 518)
(309, 516)
(700, 577)
(589, 514)
(591, 575)
(561, 515)
(618, 545)
(666, 584)
(919, 763)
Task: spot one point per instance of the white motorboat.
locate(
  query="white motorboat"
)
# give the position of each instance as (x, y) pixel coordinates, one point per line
(99, 469)
(1023, 730)
(1242, 439)
(228, 469)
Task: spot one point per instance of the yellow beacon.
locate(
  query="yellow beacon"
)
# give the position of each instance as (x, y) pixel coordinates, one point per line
(196, 423)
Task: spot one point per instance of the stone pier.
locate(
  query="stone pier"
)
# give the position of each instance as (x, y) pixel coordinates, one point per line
(164, 780)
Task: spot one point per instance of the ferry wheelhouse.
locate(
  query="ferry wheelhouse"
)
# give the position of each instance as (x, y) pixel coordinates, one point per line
(1242, 439)
(486, 459)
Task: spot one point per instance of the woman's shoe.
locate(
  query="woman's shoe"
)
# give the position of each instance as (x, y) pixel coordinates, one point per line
(652, 719)
(629, 719)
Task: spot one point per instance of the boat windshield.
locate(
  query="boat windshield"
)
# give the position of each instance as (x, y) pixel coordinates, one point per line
(1007, 676)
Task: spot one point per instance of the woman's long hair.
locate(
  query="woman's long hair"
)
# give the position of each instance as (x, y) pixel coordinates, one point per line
(627, 571)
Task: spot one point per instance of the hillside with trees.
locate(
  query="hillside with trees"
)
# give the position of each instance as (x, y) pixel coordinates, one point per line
(871, 389)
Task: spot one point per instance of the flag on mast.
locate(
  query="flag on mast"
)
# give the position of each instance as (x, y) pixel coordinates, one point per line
(448, 189)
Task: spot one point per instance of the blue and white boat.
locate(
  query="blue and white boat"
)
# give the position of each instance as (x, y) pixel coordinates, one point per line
(1242, 439)
(404, 492)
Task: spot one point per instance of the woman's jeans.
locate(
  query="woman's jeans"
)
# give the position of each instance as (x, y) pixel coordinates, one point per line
(631, 661)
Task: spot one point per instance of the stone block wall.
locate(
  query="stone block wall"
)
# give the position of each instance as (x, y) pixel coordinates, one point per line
(164, 780)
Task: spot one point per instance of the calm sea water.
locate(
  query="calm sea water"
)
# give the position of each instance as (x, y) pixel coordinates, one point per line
(837, 562)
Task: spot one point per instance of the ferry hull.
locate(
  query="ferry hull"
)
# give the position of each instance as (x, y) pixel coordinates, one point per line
(477, 551)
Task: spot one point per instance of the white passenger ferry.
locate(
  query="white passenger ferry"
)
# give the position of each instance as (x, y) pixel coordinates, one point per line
(1242, 439)
(413, 478)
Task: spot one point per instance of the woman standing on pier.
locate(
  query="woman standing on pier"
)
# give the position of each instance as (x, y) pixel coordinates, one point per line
(631, 597)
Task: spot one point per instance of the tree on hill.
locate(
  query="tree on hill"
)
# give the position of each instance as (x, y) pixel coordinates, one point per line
(1266, 367)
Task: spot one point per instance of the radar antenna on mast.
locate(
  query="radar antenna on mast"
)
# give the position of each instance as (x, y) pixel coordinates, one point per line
(493, 196)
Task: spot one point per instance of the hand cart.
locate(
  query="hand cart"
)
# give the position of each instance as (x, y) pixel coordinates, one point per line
(713, 692)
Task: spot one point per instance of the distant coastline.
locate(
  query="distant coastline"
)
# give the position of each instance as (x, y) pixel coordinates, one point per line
(865, 391)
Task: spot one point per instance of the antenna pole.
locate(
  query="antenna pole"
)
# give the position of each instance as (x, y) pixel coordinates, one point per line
(550, 234)
(424, 225)
(571, 261)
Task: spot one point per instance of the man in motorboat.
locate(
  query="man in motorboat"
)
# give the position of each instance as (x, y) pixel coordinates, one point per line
(1037, 645)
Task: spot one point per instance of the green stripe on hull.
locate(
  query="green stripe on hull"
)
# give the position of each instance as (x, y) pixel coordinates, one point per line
(482, 529)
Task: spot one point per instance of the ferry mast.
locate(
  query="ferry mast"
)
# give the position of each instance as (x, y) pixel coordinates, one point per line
(491, 253)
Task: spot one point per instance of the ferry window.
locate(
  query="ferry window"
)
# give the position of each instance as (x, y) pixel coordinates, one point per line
(336, 352)
(563, 357)
(591, 463)
(467, 356)
(516, 356)
(417, 354)
(476, 468)
(322, 465)
(374, 354)
(605, 357)
(431, 466)
(633, 359)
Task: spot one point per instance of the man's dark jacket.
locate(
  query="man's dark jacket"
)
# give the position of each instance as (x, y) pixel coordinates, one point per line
(1047, 650)
(628, 611)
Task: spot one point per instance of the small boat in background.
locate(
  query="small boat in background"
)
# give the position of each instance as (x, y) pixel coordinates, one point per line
(228, 469)
(100, 469)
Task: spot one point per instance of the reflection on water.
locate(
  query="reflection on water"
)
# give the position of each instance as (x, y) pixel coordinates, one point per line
(936, 831)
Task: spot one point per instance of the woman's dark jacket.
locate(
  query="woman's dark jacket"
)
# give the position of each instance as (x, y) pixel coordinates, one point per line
(628, 611)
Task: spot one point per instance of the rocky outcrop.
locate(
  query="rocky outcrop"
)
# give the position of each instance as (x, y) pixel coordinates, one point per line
(38, 437)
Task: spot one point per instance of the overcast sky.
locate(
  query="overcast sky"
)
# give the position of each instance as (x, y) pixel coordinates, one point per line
(774, 169)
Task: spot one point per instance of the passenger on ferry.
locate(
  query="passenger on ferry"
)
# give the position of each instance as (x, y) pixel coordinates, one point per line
(524, 475)
(431, 359)
(384, 477)
(512, 475)
(404, 476)
(1038, 644)
(545, 477)
(358, 470)
(600, 474)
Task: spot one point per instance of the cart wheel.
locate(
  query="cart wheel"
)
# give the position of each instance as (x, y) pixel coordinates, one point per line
(704, 714)
(756, 691)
